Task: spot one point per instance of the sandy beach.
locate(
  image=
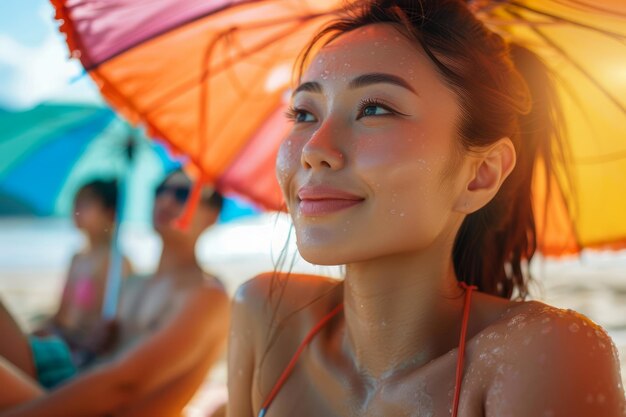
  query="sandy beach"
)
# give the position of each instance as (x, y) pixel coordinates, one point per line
(35, 253)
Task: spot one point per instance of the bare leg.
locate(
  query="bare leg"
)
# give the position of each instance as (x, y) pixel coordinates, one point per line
(14, 346)
(22, 388)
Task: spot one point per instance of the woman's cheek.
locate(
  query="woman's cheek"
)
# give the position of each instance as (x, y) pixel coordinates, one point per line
(287, 162)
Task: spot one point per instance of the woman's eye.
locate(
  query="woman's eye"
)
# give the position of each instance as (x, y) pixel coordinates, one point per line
(374, 110)
(299, 116)
(304, 116)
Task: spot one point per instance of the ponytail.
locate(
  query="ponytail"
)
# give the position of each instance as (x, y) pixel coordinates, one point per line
(495, 244)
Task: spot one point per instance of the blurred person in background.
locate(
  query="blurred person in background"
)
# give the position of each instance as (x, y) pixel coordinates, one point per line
(79, 312)
(171, 328)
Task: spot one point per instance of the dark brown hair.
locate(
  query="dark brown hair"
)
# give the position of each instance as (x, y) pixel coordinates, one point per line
(503, 90)
(103, 191)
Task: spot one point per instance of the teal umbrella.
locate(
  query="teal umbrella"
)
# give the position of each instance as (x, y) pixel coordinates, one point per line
(48, 152)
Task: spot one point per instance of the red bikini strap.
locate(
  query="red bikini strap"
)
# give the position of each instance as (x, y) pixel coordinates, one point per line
(461, 353)
(281, 381)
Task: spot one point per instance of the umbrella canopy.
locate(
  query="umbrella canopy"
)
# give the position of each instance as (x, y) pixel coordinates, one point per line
(211, 77)
(48, 152)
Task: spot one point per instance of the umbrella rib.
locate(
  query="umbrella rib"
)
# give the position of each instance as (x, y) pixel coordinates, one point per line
(203, 108)
(228, 6)
(244, 95)
(617, 36)
(576, 65)
(594, 159)
(193, 82)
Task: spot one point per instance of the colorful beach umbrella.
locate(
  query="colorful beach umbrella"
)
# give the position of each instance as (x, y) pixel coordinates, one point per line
(48, 152)
(211, 78)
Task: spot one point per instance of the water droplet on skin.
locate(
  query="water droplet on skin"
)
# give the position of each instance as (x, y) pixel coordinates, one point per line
(393, 212)
(589, 399)
(402, 214)
(516, 320)
(376, 43)
(589, 333)
(574, 327)
(325, 74)
(546, 330)
(546, 320)
(602, 345)
(600, 398)
(527, 341)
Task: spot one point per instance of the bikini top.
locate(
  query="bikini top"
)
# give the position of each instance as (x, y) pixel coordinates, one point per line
(320, 325)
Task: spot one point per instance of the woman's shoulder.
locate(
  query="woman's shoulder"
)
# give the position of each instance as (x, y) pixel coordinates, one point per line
(559, 357)
(294, 299)
(292, 289)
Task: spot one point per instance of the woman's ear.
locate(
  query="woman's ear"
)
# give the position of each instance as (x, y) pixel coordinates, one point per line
(491, 166)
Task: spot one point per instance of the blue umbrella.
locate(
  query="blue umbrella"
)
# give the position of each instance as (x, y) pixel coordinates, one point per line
(48, 152)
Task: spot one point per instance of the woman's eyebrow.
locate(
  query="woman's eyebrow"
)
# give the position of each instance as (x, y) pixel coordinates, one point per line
(310, 86)
(377, 78)
(358, 82)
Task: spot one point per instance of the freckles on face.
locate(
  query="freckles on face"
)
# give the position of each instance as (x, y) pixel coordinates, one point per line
(395, 136)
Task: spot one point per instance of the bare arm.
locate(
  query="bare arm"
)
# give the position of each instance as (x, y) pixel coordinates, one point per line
(23, 388)
(247, 319)
(161, 358)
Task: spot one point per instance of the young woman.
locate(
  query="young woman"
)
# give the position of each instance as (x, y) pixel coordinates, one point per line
(410, 161)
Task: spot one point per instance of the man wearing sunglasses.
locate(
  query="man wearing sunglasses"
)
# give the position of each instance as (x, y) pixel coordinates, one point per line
(178, 315)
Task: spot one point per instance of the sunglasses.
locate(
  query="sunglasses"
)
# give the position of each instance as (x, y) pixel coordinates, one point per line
(179, 192)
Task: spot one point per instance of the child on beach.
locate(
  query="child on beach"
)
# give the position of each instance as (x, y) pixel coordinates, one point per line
(410, 161)
(79, 312)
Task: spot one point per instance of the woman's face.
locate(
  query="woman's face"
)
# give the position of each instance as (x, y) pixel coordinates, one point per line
(369, 167)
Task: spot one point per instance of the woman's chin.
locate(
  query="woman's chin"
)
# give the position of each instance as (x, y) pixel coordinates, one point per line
(324, 255)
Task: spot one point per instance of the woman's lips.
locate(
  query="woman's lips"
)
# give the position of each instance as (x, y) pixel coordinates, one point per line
(321, 200)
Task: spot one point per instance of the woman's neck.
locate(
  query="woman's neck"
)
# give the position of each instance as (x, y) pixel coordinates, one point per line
(401, 312)
(177, 257)
(99, 242)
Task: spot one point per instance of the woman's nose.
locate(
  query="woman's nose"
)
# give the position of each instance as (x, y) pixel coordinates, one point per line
(321, 150)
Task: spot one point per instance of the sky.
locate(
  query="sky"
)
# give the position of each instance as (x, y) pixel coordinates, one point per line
(34, 59)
